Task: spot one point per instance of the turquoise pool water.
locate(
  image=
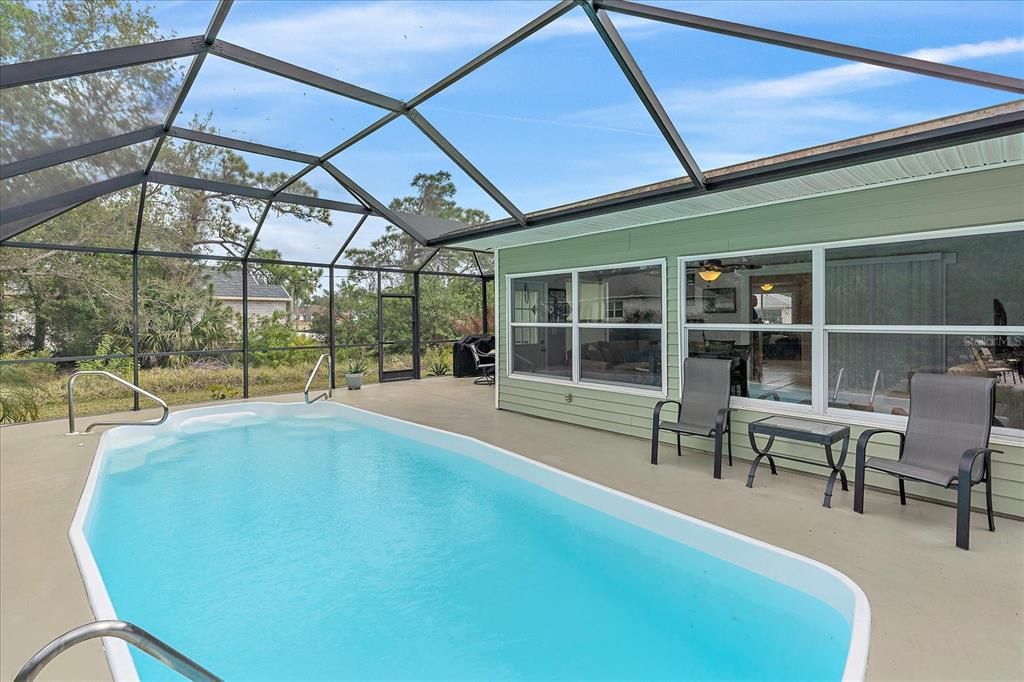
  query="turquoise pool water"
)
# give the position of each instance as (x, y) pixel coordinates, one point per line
(291, 548)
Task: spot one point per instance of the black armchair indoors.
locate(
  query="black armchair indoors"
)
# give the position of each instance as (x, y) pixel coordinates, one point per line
(946, 443)
(704, 409)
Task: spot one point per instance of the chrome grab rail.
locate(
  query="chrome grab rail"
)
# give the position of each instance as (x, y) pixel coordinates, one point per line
(71, 402)
(133, 634)
(312, 375)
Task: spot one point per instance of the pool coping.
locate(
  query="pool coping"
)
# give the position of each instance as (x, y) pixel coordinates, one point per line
(629, 508)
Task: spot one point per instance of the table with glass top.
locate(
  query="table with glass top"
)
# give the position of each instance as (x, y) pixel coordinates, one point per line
(806, 431)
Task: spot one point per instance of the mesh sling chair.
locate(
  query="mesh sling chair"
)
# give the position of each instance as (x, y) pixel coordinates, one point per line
(946, 443)
(704, 410)
(484, 363)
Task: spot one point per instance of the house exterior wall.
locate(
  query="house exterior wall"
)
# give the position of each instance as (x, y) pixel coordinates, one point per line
(987, 197)
(257, 308)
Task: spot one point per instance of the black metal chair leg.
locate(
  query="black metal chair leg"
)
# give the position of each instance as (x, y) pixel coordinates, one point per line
(858, 483)
(963, 514)
(842, 478)
(903, 494)
(679, 445)
(655, 432)
(729, 436)
(988, 503)
(718, 454)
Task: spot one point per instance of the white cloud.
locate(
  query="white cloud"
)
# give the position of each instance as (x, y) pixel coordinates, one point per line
(851, 77)
(396, 45)
(724, 124)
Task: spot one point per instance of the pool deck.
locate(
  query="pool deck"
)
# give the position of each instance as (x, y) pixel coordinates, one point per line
(937, 612)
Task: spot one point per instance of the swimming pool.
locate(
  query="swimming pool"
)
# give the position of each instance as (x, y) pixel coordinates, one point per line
(272, 541)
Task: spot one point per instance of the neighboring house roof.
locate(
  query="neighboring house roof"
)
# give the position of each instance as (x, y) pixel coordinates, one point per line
(229, 285)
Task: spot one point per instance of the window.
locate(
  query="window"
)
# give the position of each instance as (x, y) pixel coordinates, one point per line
(616, 309)
(755, 311)
(841, 328)
(600, 326)
(948, 305)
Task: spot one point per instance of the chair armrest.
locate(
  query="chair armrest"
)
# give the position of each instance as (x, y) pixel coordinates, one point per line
(661, 404)
(722, 418)
(968, 458)
(862, 442)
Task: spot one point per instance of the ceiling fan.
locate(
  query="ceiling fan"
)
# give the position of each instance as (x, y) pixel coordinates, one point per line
(712, 269)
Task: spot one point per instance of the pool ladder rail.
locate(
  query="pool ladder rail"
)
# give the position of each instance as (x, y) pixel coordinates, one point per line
(312, 375)
(133, 634)
(136, 389)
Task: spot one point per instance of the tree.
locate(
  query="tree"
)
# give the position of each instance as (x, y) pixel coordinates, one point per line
(64, 302)
(447, 304)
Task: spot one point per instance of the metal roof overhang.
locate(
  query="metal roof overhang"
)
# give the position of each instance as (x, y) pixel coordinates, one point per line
(786, 177)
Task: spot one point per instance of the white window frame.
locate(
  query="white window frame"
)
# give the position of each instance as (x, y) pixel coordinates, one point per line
(576, 325)
(819, 408)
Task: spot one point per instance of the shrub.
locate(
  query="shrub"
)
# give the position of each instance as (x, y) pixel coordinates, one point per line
(18, 396)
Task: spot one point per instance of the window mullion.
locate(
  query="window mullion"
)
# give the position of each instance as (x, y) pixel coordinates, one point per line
(575, 326)
(819, 340)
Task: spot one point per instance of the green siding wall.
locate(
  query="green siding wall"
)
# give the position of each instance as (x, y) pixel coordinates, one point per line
(970, 199)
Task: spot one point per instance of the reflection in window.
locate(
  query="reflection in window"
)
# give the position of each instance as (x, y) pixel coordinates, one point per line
(628, 356)
(543, 351)
(622, 295)
(970, 280)
(542, 299)
(767, 365)
(871, 372)
(770, 288)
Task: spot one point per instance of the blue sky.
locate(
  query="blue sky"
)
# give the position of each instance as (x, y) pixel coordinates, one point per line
(553, 120)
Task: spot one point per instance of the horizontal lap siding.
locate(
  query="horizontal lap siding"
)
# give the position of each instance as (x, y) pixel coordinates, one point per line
(985, 197)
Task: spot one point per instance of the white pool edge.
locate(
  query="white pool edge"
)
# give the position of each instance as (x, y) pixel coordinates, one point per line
(586, 492)
(119, 658)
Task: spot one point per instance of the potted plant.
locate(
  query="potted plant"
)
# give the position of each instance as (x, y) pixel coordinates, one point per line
(354, 373)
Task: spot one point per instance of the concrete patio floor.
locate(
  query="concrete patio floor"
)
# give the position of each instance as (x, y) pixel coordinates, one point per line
(937, 612)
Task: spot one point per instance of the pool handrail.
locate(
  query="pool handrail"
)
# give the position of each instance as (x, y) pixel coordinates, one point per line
(316, 368)
(109, 375)
(129, 632)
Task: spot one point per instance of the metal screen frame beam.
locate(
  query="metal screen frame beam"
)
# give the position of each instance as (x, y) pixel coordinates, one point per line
(462, 162)
(375, 206)
(490, 53)
(239, 145)
(469, 67)
(54, 68)
(220, 13)
(263, 62)
(204, 184)
(807, 44)
(217, 257)
(59, 156)
(348, 240)
(631, 70)
(78, 195)
(928, 140)
(13, 228)
(256, 230)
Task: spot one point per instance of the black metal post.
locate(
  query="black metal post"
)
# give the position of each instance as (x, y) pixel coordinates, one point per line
(330, 324)
(380, 332)
(245, 329)
(416, 326)
(483, 307)
(135, 329)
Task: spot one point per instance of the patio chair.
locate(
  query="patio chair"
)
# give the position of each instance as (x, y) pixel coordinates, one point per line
(946, 443)
(704, 410)
(484, 364)
(987, 361)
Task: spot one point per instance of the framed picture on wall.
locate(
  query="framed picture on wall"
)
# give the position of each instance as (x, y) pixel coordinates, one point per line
(719, 300)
